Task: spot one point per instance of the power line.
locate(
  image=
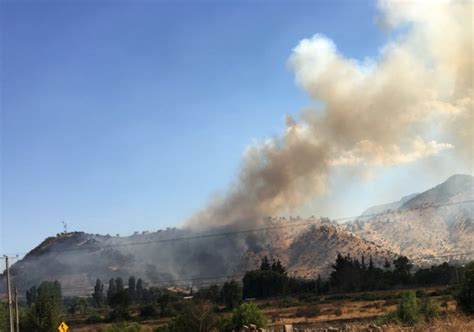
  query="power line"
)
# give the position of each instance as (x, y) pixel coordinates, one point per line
(211, 280)
(247, 231)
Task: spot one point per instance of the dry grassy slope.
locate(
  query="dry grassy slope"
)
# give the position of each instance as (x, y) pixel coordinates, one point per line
(421, 228)
(305, 250)
(311, 250)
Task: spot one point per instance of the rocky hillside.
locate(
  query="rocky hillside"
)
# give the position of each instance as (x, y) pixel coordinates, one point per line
(430, 223)
(434, 222)
(307, 247)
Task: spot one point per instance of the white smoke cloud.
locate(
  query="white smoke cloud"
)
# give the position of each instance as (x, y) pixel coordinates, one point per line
(414, 101)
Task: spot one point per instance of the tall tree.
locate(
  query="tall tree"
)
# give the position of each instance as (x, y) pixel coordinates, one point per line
(465, 297)
(98, 295)
(232, 294)
(44, 313)
(265, 264)
(402, 267)
(132, 289)
(119, 284)
(111, 291)
(139, 290)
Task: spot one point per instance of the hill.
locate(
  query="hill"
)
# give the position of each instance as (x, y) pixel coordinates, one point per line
(434, 222)
(306, 247)
(429, 223)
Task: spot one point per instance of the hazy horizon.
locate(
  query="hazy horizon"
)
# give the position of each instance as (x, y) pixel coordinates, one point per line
(132, 117)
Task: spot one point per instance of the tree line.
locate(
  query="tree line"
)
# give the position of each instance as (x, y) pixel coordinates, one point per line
(349, 274)
(45, 303)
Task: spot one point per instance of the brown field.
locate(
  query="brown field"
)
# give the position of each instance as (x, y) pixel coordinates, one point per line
(329, 314)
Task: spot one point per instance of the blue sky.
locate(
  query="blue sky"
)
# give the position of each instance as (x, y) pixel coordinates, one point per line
(127, 116)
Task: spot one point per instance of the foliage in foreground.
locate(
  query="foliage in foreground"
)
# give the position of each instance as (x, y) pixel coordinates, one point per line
(411, 310)
(246, 314)
(44, 307)
(465, 297)
(203, 317)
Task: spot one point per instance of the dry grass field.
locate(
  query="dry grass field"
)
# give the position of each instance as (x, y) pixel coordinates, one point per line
(331, 313)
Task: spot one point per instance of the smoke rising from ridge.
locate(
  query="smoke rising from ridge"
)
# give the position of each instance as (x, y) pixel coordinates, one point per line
(414, 101)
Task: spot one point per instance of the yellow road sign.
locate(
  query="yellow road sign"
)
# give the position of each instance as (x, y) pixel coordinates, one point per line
(63, 327)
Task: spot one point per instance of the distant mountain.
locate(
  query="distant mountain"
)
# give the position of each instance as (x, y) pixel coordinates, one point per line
(385, 207)
(433, 222)
(429, 223)
(456, 188)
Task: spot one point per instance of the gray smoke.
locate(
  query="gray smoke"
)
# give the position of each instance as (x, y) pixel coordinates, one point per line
(414, 101)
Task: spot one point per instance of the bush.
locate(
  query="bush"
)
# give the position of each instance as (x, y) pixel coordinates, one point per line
(429, 309)
(148, 311)
(231, 294)
(309, 298)
(288, 302)
(119, 313)
(93, 319)
(195, 317)
(310, 311)
(408, 310)
(465, 296)
(388, 318)
(4, 318)
(338, 312)
(248, 313)
(420, 293)
(121, 328)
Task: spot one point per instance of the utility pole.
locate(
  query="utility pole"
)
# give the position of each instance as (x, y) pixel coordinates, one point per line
(10, 309)
(17, 314)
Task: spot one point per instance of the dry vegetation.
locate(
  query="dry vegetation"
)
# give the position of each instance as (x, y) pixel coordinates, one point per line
(330, 313)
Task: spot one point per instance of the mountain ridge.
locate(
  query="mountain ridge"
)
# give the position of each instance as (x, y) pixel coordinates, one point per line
(307, 247)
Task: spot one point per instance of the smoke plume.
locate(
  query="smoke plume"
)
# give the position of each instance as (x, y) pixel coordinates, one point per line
(413, 101)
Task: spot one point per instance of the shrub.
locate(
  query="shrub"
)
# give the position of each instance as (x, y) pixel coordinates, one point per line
(148, 311)
(310, 311)
(118, 314)
(248, 313)
(94, 319)
(388, 318)
(408, 310)
(194, 317)
(122, 327)
(288, 302)
(420, 293)
(309, 298)
(429, 309)
(338, 312)
(465, 296)
(231, 294)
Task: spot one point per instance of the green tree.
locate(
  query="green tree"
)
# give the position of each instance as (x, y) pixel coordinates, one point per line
(119, 284)
(195, 318)
(231, 294)
(408, 309)
(386, 265)
(111, 291)
(465, 297)
(265, 264)
(44, 313)
(163, 298)
(4, 318)
(246, 314)
(132, 289)
(98, 295)
(402, 267)
(139, 290)
(278, 267)
(429, 308)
